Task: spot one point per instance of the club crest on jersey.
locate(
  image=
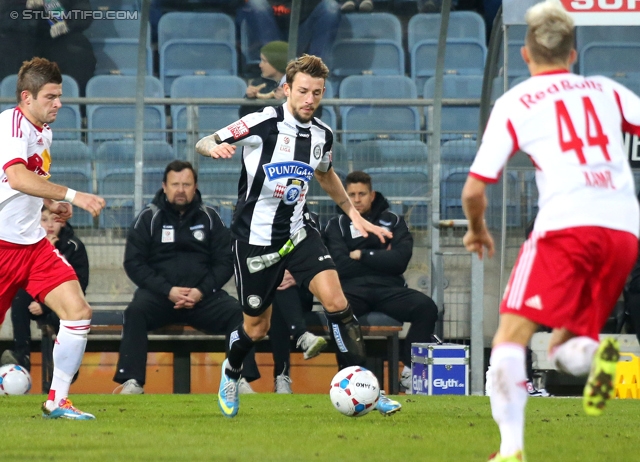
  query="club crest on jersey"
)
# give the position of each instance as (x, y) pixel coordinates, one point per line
(290, 193)
(293, 170)
(317, 151)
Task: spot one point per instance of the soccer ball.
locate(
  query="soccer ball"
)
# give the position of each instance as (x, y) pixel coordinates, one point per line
(354, 391)
(14, 380)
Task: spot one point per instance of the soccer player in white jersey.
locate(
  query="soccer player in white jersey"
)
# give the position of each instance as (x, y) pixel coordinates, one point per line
(572, 269)
(27, 258)
(283, 149)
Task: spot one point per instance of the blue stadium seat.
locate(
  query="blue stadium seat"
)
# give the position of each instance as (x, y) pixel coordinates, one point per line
(463, 120)
(462, 24)
(497, 89)
(210, 118)
(122, 118)
(340, 158)
(249, 50)
(366, 56)
(180, 57)
(516, 67)
(71, 166)
(406, 189)
(462, 56)
(192, 25)
(68, 122)
(610, 59)
(371, 122)
(119, 56)
(117, 188)
(458, 152)
(127, 27)
(390, 153)
(328, 116)
(121, 154)
(588, 34)
(453, 179)
(370, 26)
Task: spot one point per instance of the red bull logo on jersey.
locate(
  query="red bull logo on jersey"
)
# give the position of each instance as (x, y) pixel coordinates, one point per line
(40, 165)
(288, 170)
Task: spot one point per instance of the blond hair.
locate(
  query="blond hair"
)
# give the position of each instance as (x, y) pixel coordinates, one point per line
(550, 35)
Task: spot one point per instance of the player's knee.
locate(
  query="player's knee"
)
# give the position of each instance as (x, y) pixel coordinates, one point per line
(257, 331)
(78, 311)
(335, 303)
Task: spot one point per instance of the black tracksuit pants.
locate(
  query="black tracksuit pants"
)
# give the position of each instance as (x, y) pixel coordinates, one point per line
(216, 314)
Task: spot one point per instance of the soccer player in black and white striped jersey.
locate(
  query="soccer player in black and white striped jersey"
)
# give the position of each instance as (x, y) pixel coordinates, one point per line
(283, 148)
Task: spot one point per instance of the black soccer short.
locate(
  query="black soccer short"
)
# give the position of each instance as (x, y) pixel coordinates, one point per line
(256, 287)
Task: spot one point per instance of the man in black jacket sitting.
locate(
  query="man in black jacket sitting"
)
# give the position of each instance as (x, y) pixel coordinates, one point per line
(178, 253)
(371, 271)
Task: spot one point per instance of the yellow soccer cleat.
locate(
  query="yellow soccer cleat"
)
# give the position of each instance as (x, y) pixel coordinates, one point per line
(516, 457)
(600, 385)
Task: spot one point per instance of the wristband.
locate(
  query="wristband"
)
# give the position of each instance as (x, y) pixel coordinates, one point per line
(70, 195)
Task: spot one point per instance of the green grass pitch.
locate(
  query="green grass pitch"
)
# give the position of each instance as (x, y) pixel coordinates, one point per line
(293, 428)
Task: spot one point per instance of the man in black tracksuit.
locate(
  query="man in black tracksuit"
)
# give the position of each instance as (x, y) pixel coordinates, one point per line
(178, 253)
(371, 271)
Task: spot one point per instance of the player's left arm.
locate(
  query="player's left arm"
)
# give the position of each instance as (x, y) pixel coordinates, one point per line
(331, 183)
(629, 104)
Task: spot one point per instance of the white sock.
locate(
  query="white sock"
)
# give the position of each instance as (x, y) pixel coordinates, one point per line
(575, 356)
(67, 356)
(509, 395)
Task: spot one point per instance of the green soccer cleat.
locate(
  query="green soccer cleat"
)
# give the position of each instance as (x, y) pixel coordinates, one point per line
(228, 400)
(600, 385)
(516, 457)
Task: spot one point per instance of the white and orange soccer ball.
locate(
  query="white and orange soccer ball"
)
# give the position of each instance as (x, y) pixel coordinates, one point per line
(14, 380)
(354, 391)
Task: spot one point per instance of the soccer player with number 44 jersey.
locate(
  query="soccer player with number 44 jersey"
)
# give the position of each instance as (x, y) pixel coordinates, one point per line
(572, 269)
(27, 258)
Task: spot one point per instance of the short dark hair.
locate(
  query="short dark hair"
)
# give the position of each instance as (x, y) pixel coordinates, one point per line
(307, 64)
(358, 177)
(178, 166)
(35, 74)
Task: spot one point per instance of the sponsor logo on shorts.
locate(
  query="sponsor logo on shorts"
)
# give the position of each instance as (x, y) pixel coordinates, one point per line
(324, 257)
(290, 170)
(254, 301)
(238, 129)
(534, 302)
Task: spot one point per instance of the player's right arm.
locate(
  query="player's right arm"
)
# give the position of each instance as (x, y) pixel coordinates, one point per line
(27, 182)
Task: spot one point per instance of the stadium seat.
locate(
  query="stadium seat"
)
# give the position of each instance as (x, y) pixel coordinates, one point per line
(406, 189)
(328, 116)
(180, 57)
(68, 122)
(457, 121)
(117, 188)
(462, 24)
(218, 185)
(610, 59)
(211, 117)
(119, 56)
(191, 25)
(71, 166)
(390, 153)
(250, 51)
(458, 152)
(370, 26)
(371, 122)
(516, 67)
(127, 27)
(366, 56)
(453, 179)
(462, 56)
(121, 119)
(588, 34)
(121, 154)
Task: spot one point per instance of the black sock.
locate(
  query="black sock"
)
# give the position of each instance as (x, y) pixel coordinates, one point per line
(345, 331)
(241, 343)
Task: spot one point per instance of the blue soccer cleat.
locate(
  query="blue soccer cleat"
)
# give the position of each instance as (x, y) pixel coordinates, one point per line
(65, 410)
(228, 393)
(387, 406)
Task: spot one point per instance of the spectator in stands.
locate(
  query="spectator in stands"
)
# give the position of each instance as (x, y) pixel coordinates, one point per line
(273, 62)
(24, 308)
(371, 271)
(37, 31)
(287, 319)
(349, 6)
(178, 253)
(268, 21)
